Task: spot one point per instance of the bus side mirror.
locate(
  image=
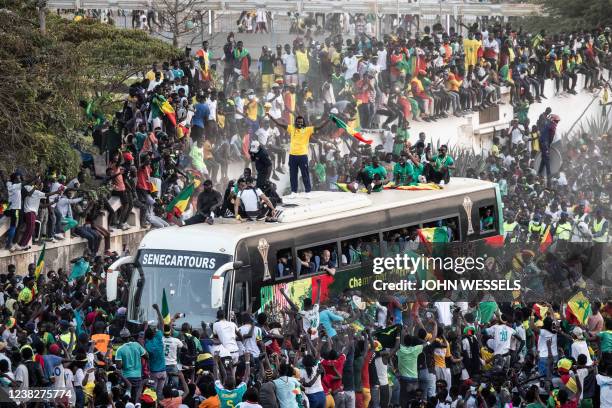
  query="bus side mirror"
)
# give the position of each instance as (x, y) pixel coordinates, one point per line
(216, 291)
(112, 273)
(216, 284)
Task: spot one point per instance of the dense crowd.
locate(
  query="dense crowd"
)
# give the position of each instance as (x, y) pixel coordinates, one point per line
(59, 333)
(189, 122)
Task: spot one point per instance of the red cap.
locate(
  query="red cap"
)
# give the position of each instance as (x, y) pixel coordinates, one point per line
(54, 349)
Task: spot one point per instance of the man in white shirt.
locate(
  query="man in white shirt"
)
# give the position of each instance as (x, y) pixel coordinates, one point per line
(350, 62)
(30, 209)
(290, 63)
(249, 200)
(277, 104)
(225, 335)
(502, 334)
(251, 336)
(171, 349)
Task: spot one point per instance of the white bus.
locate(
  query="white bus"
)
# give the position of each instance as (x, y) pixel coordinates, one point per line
(206, 267)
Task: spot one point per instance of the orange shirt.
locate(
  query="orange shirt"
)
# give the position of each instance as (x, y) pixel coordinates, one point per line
(210, 402)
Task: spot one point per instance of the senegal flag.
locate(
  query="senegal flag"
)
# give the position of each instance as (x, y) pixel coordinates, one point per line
(161, 106)
(578, 309)
(165, 310)
(546, 240)
(341, 125)
(180, 203)
(40, 264)
(430, 236)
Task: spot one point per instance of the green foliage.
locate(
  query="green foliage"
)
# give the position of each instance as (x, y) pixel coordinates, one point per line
(44, 78)
(570, 15)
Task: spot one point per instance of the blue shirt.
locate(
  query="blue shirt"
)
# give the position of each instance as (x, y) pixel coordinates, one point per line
(284, 391)
(200, 115)
(130, 355)
(155, 348)
(326, 318)
(51, 362)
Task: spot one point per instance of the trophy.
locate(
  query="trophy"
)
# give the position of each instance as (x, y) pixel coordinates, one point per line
(263, 248)
(467, 206)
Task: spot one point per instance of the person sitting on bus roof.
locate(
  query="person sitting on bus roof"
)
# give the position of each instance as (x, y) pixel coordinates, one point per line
(376, 176)
(403, 172)
(439, 167)
(209, 202)
(249, 201)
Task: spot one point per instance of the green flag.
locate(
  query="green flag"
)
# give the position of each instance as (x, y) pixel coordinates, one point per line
(486, 311)
(165, 310)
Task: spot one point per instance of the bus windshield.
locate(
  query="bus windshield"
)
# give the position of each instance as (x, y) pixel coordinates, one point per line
(186, 278)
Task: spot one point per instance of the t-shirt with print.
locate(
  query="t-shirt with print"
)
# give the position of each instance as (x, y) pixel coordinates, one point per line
(310, 320)
(130, 355)
(155, 348)
(171, 346)
(502, 336)
(230, 398)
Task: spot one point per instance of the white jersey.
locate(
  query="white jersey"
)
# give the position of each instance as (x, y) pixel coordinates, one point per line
(502, 338)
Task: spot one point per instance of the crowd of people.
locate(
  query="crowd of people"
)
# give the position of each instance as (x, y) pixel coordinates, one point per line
(191, 123)
(59, 333)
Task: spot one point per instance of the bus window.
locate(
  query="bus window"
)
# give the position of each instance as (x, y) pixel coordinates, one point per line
(486, 215)
(284, 263)
(321, 258)
(239, 303)
(452, 223)
(360, 249)
(400, 240)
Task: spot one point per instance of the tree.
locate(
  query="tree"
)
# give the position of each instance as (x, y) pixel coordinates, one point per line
(571, 15)
(180, 16)
(45, 76)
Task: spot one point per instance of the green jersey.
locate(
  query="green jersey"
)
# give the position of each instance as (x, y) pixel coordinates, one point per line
(443, 161)
(230, 398)
(403, 174)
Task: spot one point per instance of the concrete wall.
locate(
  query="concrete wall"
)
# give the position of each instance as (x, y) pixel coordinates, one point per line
(58, 254)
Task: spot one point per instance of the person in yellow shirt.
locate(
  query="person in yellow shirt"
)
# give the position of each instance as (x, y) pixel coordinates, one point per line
(299, 135)
(303, 64)
(151, 74)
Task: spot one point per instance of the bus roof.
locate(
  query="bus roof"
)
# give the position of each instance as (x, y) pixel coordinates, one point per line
(224, 235)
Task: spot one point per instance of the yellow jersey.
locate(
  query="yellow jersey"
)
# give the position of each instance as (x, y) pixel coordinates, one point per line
(299, 139)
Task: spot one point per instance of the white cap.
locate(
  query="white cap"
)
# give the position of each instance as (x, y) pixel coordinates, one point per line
(254, 146)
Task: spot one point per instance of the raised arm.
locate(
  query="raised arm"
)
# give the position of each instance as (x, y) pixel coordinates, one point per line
(281, 125)
(160, 318)
(291, 304)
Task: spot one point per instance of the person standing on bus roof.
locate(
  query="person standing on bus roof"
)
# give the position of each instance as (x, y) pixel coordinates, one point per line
(299, 135)
(209, 200)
